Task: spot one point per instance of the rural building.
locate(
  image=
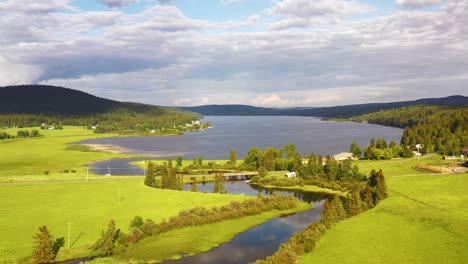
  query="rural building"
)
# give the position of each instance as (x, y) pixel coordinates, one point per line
(450, 158)
(290, 174)
(344, 156)
(416, 153)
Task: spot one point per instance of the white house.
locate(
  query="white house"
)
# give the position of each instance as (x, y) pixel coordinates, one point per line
(344, 156)
(153, 131)
(290, 174)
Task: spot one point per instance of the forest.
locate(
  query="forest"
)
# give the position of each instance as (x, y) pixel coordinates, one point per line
(62, 106)
(442, 129)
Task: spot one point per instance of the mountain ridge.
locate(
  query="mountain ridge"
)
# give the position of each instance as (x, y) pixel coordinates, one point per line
(344, 111)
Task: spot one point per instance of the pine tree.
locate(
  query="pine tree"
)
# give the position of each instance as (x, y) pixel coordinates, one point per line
(194, 185)
(233, 157)
(107, 240)
(328, 214)
(381, 187)
(43, 251)
(353, 203)
(339, 209)
(149, 178)
(367, 198)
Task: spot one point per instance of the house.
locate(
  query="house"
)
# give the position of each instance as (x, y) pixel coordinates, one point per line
(450, 158)
(153, 131)
(344, 156)
(416, 153)
(290, 174)
(196, 122)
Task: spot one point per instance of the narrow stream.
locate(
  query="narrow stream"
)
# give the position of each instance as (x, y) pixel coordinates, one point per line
(263, 240)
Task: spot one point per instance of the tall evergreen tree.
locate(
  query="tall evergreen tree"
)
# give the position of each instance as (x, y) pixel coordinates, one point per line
(194, 185)
(340, 212)
(233, 157)
(150, 180)
(43, 251)
(353, 203)
(329, 217)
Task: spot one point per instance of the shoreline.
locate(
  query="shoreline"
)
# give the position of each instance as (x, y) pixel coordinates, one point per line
(108, 148)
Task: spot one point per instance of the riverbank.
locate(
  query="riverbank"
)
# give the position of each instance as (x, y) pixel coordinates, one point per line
(107, 148)
(304, 188)
(196, 239)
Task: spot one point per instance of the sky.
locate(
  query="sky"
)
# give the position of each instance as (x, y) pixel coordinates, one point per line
(272, 53)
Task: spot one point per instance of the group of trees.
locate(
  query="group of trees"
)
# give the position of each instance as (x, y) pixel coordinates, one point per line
(169, 178)
(335, 209)
(21, 134)
(380, 150)
(438, 128)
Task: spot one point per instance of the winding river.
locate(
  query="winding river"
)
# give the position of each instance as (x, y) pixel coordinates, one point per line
(260, 241)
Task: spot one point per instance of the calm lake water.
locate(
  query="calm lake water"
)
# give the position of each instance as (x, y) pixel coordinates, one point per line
(308, 133)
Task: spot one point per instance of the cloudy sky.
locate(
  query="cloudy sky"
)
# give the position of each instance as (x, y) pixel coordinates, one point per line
(260, 52)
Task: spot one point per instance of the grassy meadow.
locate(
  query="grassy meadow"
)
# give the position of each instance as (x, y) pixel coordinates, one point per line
(88, 206)
(29, 159)
(424, 220)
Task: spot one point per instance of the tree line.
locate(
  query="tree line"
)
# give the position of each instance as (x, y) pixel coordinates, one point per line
(442, 129)
(21, 134)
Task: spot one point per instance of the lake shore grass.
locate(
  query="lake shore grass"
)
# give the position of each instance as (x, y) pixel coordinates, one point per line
(424, 220)
(51, 157)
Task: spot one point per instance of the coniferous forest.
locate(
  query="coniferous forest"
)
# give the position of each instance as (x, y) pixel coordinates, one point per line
(437, 128)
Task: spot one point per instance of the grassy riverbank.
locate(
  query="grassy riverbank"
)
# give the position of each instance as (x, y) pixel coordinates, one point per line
(196, 239)
(424, 220)
(88, 207)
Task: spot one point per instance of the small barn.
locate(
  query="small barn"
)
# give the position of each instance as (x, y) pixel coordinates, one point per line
(290, 174)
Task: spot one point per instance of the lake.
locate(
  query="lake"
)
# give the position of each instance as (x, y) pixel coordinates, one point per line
(310, 134)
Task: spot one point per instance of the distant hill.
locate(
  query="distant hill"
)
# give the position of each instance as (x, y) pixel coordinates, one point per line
(31, 105)
(345, 111)
(46, 99)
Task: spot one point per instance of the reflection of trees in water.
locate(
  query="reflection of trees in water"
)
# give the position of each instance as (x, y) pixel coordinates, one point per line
(308, 197)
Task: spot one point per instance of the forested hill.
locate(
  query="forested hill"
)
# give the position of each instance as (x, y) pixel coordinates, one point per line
(345, 111)
(32, 105)
(438, 128)
(46, 99)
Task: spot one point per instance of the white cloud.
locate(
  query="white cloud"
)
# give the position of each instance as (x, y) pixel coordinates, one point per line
(13, 73)
(162, 56)
(418, 3)
(270, 100)
(301, 13)
(118, 3)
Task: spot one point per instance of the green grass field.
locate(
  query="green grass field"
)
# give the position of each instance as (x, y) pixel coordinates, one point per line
(88, 206)
(27, 159)
(424, 220)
